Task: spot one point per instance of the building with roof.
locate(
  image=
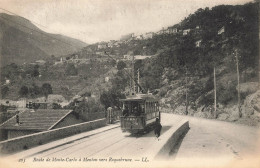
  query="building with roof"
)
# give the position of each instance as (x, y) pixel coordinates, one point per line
(198, 43)
(33, 121)
(172, 30)
(148, 35)
(186, 31)
(141, 57)
(127, 37)
(106, 79)
(40, 62)
(102, 45)
(128, 57)
(139, 37)
(221, 30)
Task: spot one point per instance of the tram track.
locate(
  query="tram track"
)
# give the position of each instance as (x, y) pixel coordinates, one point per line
(110, 143)
(75, 143)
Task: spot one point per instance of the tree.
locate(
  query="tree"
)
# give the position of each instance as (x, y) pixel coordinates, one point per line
(23, 91)
(4, 91)
(71, 70)
(113, 62)
(34, 91)
(111, 98)
(36, 72)
(56, 106)
(121, 65)
(46, 89)
(10, 71)
(85, 107)
(87, 94)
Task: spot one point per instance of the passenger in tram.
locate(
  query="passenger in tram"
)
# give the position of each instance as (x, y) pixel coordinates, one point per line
(125, 111)
(136, 112)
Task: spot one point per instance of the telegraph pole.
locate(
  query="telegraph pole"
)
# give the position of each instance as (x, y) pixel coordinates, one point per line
(186, 80)
(133, 75)
(238, 86)
(215, 95)
(138, 80)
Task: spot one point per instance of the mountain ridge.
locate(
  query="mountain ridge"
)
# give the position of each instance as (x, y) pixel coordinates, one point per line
(21, 41)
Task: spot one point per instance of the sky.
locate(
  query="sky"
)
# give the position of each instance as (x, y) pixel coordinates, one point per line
(93, 21)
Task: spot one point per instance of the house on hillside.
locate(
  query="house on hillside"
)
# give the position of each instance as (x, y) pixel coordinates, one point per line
(172, 30)
(33, 121)
(100, 53)
(198, 43)
(221, 30)
(139, 37)
(55, 98)
(167, 31)
(21, 103)
(186, 31)
(40, 62)
(141, 57)
(102, 45)
(128, 57)
(7, 81)
(127, 37)
(106, 79)
(111, 43)
(148, 35)
(162, 31)
(117, 43)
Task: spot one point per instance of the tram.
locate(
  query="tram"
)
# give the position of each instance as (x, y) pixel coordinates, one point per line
(140, 112)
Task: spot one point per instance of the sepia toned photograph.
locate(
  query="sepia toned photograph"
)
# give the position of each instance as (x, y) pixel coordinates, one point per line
(129, 83)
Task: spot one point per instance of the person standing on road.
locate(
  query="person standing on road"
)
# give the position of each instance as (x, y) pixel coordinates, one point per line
(110, 115)
(158, 127)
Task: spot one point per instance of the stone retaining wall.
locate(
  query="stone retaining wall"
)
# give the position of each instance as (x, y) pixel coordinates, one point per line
(170, 139)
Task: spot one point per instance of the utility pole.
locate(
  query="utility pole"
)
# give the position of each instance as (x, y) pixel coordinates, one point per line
(130, 81)
(138, 80)
(186, 89)
(133, 76)
(238, 86)
(215, 95)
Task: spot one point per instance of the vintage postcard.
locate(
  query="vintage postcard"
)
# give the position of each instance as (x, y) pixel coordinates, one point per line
(129, 83)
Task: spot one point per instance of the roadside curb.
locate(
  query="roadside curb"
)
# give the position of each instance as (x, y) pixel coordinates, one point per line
(166, 144)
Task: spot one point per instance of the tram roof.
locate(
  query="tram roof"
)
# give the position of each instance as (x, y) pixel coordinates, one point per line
(140, 97)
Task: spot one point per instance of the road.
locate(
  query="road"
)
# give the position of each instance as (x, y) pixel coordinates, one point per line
(207, 142)
(217, 142)
(112, 143)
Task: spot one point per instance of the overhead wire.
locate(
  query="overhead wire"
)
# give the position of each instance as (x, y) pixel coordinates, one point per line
(141, 89)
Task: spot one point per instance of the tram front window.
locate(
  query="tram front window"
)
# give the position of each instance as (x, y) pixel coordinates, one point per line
(136, 111)
(125, 110)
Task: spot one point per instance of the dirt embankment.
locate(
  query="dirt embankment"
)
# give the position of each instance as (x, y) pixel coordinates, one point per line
(250, 109)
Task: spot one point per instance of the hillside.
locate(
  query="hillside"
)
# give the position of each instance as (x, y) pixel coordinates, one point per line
(183, 63)
(21, 41)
